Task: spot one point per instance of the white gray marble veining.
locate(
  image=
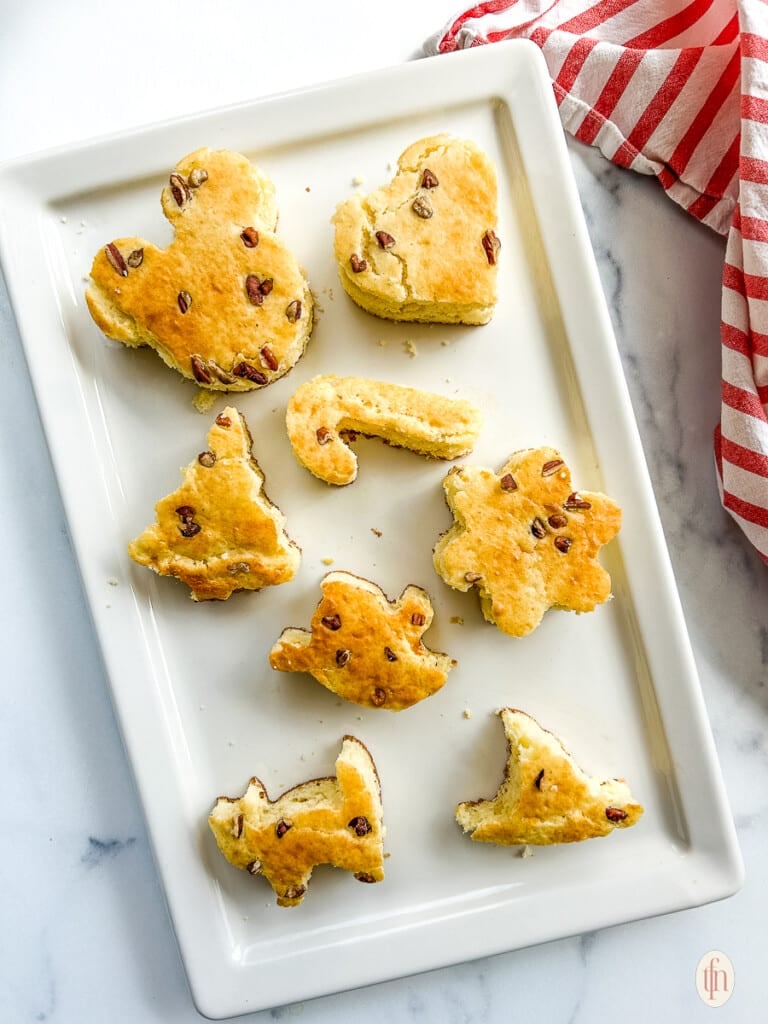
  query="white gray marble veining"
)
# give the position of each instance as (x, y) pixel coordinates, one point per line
(85, 935)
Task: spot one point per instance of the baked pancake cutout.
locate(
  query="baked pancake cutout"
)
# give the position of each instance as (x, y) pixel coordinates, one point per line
(219, 532)
(526, 540)
(424, 247)
(364, 647)
(545, 797)
(226, 303)
(328, 412)
(335, 820)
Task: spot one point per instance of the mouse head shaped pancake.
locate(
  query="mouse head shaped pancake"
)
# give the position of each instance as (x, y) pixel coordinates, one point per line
(226, 303)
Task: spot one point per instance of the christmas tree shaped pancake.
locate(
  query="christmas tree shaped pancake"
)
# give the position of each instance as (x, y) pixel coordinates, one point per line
(219, 532)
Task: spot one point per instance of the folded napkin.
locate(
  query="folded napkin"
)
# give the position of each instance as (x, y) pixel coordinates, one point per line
(679, 89)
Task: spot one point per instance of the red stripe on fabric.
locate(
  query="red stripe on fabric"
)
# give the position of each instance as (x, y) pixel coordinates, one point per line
(735, 339)
(540, 35)
(742, 401)
(448, 42)
(715, 188)
(655, 112)
(748, 343)
(717, 440)
(754, 229)
(762, 393)
(754, 108)
(714, 101)
(729, 32)
(613, 90)
(754, 46)
(672, 26)
(745, 509)
(753, 169)
(744, 458)
(601, 12)
(756, 286)
(733, 278)
(574, 62)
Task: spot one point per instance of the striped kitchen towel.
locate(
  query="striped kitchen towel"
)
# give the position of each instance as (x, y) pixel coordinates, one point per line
(679, 89)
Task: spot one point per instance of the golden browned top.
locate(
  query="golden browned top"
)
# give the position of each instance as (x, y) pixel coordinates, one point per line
(424, 246)
(546, 797)
(226, 303)
(324, 412)
(526, 539)
(334, 821)
(364, 647)
(219, 532)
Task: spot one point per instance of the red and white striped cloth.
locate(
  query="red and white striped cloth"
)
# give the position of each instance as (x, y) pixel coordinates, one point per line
(679, 89)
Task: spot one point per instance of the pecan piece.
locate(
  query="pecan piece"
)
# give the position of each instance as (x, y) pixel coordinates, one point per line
(538, 529)
(537, 780)
(254, 868)
(207, 459)
(197, 177)
(135, 258)
(237, 825)
(491, 245)
(473, 577)
(422, 208)
(557, 521)
(378, 697)
(222, 375)
(200, 370)
(282, 827)
(115, 258)
(342, 657)
(358, 265)
(551, 467)
(179, 190)
(418, 619)
(295, 892)
(293, 311)
(184, 300)
(185, 511)
(389, 654)
(248, 372)
(323, 435)
(615, 814)
(268, 357)
(360, 825)
(575, 503)
(563, 544)
(189, 529)
(250, 237)
(428, 179)
(223, 421)
(364, 876)
(253, 290)
(238, 568)
(331, 621)
(508, 482)
(385, 240)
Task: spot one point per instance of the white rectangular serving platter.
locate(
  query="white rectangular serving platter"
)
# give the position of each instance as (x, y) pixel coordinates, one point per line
(200, 709)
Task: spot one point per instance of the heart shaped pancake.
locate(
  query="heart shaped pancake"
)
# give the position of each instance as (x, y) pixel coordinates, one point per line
(226, 303)
(424, 247)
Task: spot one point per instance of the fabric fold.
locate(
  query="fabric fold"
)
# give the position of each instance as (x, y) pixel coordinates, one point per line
(679, 90)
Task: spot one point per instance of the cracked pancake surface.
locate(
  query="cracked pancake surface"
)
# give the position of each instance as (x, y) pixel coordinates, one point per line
(424, 247)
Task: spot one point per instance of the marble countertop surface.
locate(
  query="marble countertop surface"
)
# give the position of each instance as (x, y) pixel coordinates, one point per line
(85, 934)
